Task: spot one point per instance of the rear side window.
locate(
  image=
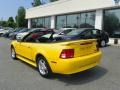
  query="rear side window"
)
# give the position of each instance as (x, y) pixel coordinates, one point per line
(96, 32)
(87, 33)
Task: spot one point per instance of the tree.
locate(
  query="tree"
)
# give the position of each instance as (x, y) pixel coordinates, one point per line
(3, 23)
(10, 22)
(21, 21)
(36, 3)
(111, 23)
(53, 0)
(16, 20)
(40, 2)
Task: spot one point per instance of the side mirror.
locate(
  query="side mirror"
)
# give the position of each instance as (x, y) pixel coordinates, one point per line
(18, 39)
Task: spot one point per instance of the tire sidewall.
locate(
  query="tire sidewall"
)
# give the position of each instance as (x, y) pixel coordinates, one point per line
(102, 43)
(12, 49)
(47, 66)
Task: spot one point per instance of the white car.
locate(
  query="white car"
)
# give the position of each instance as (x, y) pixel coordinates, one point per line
(21, 35)
(3, 31)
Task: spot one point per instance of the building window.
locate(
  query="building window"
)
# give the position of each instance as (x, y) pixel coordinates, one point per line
(47, 22)
(43, 22)
(40, 23)
(80, 20)
(87, 20)
(73, 21)
(33, 23)
(112, 22)
(61, 21)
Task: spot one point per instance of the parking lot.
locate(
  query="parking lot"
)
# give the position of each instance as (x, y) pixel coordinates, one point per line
(17, 75)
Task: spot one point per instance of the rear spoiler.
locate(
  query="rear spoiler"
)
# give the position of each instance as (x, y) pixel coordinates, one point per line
(82, 42)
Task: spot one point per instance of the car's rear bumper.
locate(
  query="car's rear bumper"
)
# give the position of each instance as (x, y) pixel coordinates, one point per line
(75, 65)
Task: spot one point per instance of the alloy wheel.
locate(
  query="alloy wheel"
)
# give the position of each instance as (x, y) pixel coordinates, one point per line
(103, 43)
(13, 54)
(42, 67)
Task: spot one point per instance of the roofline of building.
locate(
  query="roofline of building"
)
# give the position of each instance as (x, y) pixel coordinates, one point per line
(57, 8)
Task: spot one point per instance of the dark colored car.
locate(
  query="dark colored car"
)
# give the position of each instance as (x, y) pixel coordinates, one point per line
(116, 34)
(13, 35)
(87, 33)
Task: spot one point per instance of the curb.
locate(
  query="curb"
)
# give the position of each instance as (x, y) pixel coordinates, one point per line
(114, 44)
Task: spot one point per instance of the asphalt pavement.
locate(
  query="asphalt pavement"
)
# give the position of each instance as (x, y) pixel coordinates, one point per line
(17, 75)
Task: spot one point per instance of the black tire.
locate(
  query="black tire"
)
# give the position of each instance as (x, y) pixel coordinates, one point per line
(13, 53)
(102, 43)
(43, 67)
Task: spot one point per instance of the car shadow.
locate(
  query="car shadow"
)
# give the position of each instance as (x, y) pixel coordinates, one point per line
(82, 77)
(78, 78)
(107, 45)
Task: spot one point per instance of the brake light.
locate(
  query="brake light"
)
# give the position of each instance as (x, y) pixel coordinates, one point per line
(67, 53)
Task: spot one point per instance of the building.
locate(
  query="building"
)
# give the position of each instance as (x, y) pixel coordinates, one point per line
(100, 14)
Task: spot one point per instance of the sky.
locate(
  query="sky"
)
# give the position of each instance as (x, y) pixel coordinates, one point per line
(10, 7)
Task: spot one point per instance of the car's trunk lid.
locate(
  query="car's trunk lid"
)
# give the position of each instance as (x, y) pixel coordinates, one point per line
(82, 47)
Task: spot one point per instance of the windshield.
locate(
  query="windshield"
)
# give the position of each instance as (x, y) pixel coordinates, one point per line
(34, 30)
(58, 31)
(24, 30)
(17, 29)
(64, 31)
(75, 32)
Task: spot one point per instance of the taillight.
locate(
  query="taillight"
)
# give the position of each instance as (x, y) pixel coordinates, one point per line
(67, 53)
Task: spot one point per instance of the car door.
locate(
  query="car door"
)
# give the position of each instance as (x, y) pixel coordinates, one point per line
(25, 47)
(96, 34)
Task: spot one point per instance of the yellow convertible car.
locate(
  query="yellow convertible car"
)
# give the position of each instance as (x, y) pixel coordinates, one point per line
(56, 56)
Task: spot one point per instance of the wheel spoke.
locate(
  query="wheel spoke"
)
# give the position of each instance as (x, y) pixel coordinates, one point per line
(13, 53)
(42, 67)
(102, 43)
